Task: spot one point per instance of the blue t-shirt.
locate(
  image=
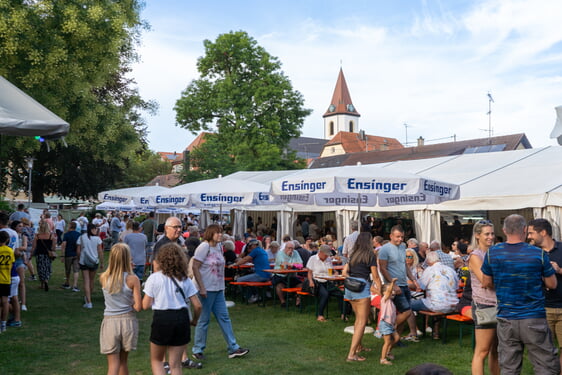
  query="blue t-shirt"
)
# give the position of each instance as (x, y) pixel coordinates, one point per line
(70, 238)
(517, 271)
(261, 262)
(396, 258)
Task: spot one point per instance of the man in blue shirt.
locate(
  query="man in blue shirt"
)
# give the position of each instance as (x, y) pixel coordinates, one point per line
(517, 269)
(259, 257)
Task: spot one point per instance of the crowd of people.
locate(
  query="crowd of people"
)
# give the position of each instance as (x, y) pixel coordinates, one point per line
(510, 289)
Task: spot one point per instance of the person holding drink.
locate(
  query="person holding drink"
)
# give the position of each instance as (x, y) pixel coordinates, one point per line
(321, 265)
(285, 258)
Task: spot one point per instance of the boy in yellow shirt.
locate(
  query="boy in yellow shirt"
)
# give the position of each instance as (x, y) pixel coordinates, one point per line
(7, 258)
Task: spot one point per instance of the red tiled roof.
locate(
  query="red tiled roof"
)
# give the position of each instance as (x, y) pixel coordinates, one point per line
(341, 100)
(166, 180)
(511, 142)
(171, 156)
(352, 142)
(198, 141)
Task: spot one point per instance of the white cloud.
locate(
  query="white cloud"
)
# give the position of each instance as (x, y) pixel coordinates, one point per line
(432, 72)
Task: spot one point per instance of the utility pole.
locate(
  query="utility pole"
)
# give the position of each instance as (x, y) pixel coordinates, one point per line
(490, 101)
(406, 126)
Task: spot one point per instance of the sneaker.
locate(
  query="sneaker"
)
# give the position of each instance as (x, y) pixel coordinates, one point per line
(428, 329)
(198, 356)
(15, 324)
(33, 278)
(23, 308)
(88, 305)
(253, 299)
(188, 363)
(419, 333)
(65, 286)
(411, 338)
(167, 367)
(75, 289)
(3, 327)
(240, 352)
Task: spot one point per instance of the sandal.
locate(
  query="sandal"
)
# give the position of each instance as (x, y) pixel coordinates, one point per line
(385, 361)
(390, 356)
(321, 319)
(356, 358)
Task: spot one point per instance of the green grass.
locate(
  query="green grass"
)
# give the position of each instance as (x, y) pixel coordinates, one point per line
(61, 337)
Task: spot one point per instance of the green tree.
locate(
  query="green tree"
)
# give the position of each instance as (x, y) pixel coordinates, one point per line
(245, 95)
(72, 56)
(142, 168)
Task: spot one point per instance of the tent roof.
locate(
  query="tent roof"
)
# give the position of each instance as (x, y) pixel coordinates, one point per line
(21, 115)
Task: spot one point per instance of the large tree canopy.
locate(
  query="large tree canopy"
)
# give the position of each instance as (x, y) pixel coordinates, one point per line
(72, 56)
(245, 95)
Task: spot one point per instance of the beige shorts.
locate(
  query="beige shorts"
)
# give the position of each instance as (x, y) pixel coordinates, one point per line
(554, 319)
(119, 333)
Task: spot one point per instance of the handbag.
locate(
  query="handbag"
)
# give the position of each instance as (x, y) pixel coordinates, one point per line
(354, 285)
(486, 315)
(53, 254)
(186, 299)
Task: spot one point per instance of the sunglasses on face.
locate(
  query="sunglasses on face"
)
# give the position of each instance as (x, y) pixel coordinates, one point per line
(409, 257)
(485, 222)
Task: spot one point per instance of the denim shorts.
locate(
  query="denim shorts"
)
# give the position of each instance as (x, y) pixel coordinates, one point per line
(365, 293)
(402, 301)
(386, 328)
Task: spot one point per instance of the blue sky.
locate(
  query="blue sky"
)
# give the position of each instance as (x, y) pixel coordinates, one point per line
(429, 64)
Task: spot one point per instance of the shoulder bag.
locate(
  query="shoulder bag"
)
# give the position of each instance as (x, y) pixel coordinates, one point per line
(354, 285)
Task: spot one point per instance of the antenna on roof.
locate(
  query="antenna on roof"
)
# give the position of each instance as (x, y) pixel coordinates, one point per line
(406, 126)
(490, 101)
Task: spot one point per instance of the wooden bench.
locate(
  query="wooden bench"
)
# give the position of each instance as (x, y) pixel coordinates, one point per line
(462, 321)
(434, 316)
(288, 291)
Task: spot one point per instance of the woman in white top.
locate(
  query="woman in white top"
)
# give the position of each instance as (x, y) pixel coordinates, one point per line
(90, 256)
(119, 330)
(170, 322)
(60, 225)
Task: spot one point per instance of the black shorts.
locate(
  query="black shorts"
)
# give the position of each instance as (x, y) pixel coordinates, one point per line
(86, 268)
(170, 327)
(5, 290)
(290, 282)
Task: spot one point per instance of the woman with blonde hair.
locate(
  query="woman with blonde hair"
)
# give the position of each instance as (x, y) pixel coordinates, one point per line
(362, 266)
(119, 329)
(168, 291)
(44, 242)
(485, 334)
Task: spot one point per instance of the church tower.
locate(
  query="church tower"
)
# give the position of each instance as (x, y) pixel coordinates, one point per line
(341, 114)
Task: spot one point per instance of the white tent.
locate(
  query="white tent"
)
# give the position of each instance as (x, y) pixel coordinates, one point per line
(139, 196)
(21, 115)
(508, 180)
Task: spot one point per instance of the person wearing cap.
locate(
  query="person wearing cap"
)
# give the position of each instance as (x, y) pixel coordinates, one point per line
(258, 256)
(272, 251)
(318, 265)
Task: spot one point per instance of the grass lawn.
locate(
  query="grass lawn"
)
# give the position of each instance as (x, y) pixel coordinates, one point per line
(60, 337)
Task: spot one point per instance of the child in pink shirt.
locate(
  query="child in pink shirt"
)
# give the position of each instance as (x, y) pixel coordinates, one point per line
(387, 323)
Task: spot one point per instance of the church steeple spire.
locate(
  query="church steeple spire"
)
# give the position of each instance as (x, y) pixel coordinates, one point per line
(341, 114)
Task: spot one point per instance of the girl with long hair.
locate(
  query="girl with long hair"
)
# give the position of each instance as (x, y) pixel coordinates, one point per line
(89, 251)
(361, 265)
(119, 329)
(485, 335)
(44, 242)
(166, 292)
